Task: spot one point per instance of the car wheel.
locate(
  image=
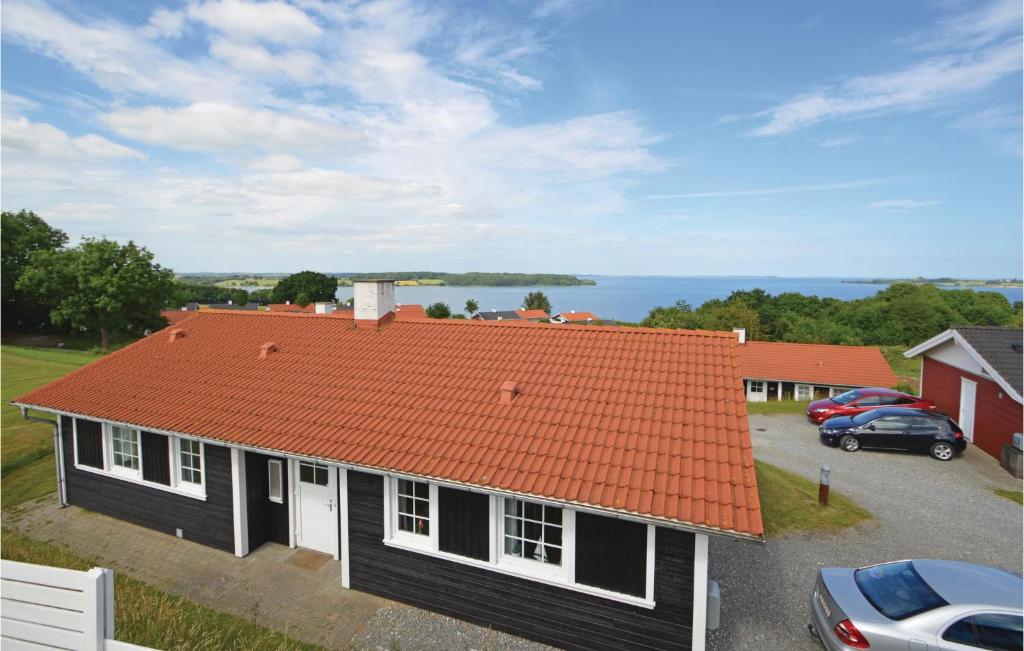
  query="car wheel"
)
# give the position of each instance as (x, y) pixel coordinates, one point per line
(849, 443)
(942, 451)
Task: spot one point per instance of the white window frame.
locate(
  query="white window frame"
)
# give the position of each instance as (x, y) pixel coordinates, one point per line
(562, 576)
(275, 466)
(178, 487)
(762, 386)
(798, 387)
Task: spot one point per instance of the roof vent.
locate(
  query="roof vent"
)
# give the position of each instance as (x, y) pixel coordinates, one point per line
(267, 348)
(175, 335)
(509, 391)
(741, 335)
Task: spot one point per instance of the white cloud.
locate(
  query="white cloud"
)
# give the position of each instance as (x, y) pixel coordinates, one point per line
(273, 22)
(219, 127)
(165, 23)
(22, 137)
(839, 141)
(788, 189)
(337, 184)
(276, 163)
(300, 65)
(901, 205)
(82, 211)
(909, 88)
(981, 24)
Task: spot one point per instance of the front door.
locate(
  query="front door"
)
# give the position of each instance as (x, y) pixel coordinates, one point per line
(968, 392)
(316, 518)
(757, 391)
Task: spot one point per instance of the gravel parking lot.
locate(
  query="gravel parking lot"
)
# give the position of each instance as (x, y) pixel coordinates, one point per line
(922, 509)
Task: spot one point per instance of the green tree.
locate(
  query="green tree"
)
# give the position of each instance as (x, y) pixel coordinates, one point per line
(100, 287)
(305, 287)
(472, 307)
(23, 233)
(537, 301)
(261, 296)
(679, 316)
(727, 316)
(439, 310)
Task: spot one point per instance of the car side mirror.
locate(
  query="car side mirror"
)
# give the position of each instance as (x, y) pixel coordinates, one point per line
(871, 427)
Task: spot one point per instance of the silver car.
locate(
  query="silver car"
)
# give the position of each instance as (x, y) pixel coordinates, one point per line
(918, 606)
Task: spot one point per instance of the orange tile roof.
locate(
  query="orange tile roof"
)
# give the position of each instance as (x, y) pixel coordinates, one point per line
(292, 307)
(174, 316)
(410, 311)
(533, 314)
(578, 316)
(862, 366)
(643, 421)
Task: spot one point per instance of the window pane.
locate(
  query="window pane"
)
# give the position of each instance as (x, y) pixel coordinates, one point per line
(320, 475)
(513, 506)
(404, 487)
(532, 530)
(305, 473)
(405, 523)
(552, 515)
(533, 511)
(513, 546)
(513, 526)
(422, 490)
(423, 508)
(423, 527)
(553, 535)
(896, 590)
(553, 554)
(274, 472)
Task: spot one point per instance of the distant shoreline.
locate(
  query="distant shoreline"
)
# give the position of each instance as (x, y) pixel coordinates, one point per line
(401, 278)
(965, 283)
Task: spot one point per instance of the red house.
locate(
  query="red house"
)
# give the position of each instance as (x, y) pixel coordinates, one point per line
(974, 374)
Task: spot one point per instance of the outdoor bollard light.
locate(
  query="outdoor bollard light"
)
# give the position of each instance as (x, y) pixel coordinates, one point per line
(823, 485)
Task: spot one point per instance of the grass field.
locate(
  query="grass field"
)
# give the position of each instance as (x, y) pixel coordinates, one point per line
(789, 503)
(908, 371)
(420, 282)
(1014, 496)
(235, 283)
(151, 617)
(26, 448)
(777, 407)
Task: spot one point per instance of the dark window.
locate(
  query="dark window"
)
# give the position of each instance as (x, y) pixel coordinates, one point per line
(922, 424)
(846, 398)
(1000, 632)
(312, 474)
(611, 554)
(156, 458)
(463, 521)
(896, 590)
(895, 400)
(870, 401)
(891, 424)
(89, 435)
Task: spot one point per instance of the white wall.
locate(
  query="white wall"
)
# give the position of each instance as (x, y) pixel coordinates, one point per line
(951, 353)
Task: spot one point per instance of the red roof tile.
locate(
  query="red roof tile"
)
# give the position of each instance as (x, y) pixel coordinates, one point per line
(578, 316)
(653, 422)
(291, 307)
(174, 316)
(533, 314)
(816, 363)
(410, 311)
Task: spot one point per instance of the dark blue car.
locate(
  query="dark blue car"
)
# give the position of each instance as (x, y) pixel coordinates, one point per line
(896, 428)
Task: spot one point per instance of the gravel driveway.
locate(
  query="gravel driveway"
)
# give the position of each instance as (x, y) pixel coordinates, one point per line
(923, 509)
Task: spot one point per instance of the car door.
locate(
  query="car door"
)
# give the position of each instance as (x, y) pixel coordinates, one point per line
(1001, 631)
(923, 431)
(887, 432)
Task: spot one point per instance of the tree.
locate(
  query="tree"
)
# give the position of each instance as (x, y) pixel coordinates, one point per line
(21, 235)
(537, 301)
(304, 288)
(439, 310)
(100, 287)
(678, 316)
(472, 307)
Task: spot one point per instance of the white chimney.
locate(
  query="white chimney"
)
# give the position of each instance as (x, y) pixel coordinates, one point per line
(741, 335)
(373, 301)
(325, 308)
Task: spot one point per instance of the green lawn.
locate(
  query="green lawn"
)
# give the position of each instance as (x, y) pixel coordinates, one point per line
(789, 503)
(151, 617)
(778, 407)
(26, 448)
(234, 283)
(908, 371)
(1015, 496)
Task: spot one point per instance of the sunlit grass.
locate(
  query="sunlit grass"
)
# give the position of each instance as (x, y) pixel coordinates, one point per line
(789, 503)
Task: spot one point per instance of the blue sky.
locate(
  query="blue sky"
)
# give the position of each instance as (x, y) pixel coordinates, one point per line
(786, 138)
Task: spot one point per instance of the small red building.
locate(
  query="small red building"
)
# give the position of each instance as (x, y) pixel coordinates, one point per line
(974, 374)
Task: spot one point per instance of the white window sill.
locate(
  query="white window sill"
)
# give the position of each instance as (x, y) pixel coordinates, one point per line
(196, 494)
(558, 581)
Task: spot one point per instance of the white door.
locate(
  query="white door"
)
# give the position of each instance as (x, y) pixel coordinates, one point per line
(757, 391)
(316, 518)
(968, 391)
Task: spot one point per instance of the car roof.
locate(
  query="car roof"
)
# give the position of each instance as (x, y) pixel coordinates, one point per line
(879, 391)
(967, 583)
(904, 411)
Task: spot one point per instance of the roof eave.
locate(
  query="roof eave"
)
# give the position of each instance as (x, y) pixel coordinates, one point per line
(953, 335)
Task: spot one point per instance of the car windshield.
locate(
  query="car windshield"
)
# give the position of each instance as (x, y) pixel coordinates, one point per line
(896, 590)
(845, 398)
(864, 417)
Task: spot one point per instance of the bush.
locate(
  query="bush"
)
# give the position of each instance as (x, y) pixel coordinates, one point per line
(439, 310)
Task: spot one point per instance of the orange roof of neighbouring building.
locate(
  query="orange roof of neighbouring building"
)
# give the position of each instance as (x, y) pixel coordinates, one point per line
(578, 316)
(174, 316)
(859, 366)
(291, 307)
(409, 311)
(651, 422)
(533, 314)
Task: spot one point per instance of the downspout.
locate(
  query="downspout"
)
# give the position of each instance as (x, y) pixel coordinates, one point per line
(58, 452)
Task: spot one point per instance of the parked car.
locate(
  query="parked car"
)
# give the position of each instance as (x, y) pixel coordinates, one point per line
(896, 428)
(857, 401)
(917, 605)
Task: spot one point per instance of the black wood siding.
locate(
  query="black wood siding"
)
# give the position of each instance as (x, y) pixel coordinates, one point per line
(208, 522)
(464, 519)
(549, 614)
(611, 554)
(268, 521)
(90, 442)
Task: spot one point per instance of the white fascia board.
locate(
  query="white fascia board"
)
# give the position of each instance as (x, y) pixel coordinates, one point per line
(953, 335)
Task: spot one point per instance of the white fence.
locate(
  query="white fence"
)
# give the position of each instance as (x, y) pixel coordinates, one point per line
(49, 607)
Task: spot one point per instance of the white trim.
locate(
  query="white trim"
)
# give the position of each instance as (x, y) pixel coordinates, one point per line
(142, 482)
(966, 384)
(943, 337)
(441, 481)
(239, 505)
(700, 591)
(277, 464)
(651, 530)
(343, 516)
(292, 495)
(336, 512)
(62, 480)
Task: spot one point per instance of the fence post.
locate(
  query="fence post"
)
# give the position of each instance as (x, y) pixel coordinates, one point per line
(95, 600)
(823, 485)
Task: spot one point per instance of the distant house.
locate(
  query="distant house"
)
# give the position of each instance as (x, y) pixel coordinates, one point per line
(174, 316)
(534, 315)
(574, 317)
(442, 463)
(974, 374)
(498, 315)
(786, 371)
(288, 306)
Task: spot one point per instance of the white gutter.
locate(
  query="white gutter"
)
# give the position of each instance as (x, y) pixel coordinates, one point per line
(58, 449)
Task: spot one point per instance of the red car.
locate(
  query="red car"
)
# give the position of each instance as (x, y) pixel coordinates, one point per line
(861, 400)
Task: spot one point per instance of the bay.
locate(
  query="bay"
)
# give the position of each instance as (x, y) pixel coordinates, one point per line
(630, 298)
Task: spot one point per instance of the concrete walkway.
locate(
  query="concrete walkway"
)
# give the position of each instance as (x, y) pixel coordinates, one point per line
(295, 591)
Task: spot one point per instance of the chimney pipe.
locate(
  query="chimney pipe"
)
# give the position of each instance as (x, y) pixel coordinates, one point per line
(509, 391)
(741, 335)
(373, 302)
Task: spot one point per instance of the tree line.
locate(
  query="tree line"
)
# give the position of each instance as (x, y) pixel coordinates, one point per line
(480, 278)
(902, 313)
